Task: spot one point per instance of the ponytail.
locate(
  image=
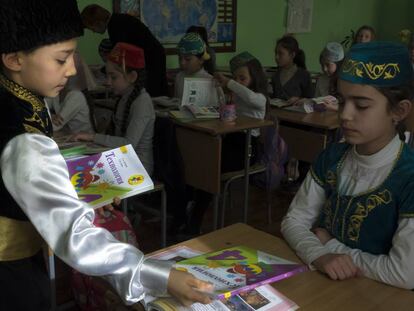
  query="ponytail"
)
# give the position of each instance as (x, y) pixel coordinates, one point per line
(300, 59)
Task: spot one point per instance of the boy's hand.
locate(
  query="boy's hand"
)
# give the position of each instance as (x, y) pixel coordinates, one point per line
(337, 266)
(81, 136)
(221, 79)
(187, 289)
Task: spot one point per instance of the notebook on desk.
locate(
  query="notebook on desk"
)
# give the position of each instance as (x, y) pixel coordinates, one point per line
(200, 92)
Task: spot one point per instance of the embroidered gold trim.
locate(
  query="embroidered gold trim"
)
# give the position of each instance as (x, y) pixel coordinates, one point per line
(406, 215)
(32, 129)
(22, 93)
(316, 178)
(372, 71)
(18, 239)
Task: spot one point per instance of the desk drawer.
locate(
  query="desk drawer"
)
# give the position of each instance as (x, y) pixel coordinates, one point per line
(303, 145)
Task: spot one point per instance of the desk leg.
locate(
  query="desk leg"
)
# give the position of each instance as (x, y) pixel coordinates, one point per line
(52, 279)
(215, 210)
(247, 155)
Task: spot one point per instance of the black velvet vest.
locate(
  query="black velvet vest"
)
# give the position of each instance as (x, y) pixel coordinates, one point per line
(21, 112)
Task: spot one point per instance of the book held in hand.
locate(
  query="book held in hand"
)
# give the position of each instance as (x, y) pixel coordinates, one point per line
(100, 177)
(262, 298)
(237, 269)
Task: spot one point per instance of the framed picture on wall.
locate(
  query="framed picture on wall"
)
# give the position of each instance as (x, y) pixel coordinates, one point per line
(168, 20)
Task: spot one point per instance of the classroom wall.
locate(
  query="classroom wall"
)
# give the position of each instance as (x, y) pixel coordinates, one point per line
(261, 22)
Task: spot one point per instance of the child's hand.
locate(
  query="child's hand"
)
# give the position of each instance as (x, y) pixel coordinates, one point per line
(83, 137)
(323, 235)
(108, 207)
(330, 105)
(187, 289)
(221, 79)
(57, 119)
(337, 266)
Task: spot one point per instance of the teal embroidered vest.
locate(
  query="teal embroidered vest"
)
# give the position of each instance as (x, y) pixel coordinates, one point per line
(367, 220)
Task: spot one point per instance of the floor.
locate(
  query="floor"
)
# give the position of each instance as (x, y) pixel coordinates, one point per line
(148, 227)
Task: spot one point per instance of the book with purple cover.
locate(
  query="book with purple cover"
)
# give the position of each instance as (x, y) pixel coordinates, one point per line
(237, 269)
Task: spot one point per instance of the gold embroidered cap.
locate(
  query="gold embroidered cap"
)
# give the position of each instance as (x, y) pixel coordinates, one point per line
(381, 64)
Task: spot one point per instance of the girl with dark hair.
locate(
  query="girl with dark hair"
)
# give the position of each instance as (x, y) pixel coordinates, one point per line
(134, 116)
(291, 80)
(354, 213)
(209, 65)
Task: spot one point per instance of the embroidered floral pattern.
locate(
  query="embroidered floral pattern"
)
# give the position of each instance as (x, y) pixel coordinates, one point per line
(370, 70)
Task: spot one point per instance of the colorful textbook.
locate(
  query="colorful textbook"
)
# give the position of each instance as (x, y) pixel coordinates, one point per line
(238, 269)
(100, 177)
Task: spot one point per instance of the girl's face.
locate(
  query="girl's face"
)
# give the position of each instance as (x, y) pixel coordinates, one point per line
(46, 70)
(364, 36)
(365, 117)
(117, 80)
(242, 76)
(328, 68)
(189, 63)
(283, 57)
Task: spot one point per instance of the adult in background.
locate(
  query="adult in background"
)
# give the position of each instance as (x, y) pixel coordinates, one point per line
(126, 28)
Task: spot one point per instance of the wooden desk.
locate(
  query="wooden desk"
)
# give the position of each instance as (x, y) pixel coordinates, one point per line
(310, 290)
(306, 134)
(200, 146)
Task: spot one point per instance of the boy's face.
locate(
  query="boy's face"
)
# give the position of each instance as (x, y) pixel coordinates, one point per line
(328, 68)
(47, 69)
(189, 63)
(365, 117)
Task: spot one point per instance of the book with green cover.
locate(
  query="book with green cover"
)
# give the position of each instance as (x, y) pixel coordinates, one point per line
(237, 269)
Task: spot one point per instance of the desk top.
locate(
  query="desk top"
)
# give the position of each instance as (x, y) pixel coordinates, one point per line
(217, 127)
(327, 120)
(310, 290)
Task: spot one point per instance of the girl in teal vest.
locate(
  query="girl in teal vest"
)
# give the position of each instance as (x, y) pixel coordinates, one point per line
(354, 213)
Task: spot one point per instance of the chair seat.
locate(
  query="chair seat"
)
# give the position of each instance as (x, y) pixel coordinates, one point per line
(254, 169)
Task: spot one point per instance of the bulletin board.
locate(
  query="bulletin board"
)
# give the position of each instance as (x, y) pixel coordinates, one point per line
(169, 19)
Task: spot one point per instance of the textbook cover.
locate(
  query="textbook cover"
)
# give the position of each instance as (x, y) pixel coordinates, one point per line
(238, 269)
(100, 177)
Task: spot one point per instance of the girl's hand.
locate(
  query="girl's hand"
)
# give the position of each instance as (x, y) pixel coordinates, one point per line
(81, 136)
(108, 207)
(57, 119)
(331, 106)
(293, 100)
(323, 235)
(187, 289)
(337, 266)
(221, 79)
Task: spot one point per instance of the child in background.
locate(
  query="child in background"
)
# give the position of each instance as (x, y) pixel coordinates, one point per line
(330, 60)
(73, 113)
(249, 89)
(134, 116)
(192, 53)
(354, 213)
(291, 80)
(364, 34)
(209, 65)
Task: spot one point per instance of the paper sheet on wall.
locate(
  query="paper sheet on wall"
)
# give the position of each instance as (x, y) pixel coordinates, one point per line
(299, 16)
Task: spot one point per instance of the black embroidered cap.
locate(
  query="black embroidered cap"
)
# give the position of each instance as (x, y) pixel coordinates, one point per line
(29, 24)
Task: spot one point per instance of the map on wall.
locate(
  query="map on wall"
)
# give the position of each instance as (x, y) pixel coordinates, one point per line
(169, 19)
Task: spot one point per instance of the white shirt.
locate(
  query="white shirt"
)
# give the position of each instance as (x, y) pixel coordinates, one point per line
(396, 268)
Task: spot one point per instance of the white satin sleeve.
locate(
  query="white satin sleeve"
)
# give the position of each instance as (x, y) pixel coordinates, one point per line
(35, 174)
(301, 217)
(396, 268)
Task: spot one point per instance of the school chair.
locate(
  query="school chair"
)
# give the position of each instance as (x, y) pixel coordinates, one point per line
(158, 187)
